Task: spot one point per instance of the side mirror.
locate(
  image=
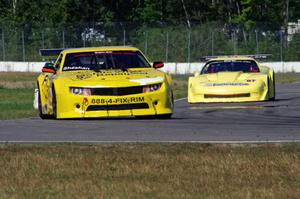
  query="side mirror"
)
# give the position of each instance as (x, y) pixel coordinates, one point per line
(196, 74)
(48, 68)
(158, 64)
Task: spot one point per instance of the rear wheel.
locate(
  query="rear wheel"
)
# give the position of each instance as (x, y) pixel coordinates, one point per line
(41, 114)
(272, 95)
(172, 98)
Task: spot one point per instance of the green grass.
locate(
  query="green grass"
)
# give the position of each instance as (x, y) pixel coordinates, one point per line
(17, 76)
(284, 78)
(16, 103)
(150, 171)
(180, 83)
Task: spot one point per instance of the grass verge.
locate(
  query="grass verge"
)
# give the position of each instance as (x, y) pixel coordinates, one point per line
(17, 76)
(150, 171)
(180, 83)
(16, 103)
(285, 78)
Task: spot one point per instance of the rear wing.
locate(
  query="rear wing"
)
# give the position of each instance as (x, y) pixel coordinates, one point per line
(256, 56)
(50, 52)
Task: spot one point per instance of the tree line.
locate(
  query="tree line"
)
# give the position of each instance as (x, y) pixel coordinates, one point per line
(266, 14)
(171, 30)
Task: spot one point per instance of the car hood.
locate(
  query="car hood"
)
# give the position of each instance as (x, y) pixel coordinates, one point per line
(109, 77)
(229, 77)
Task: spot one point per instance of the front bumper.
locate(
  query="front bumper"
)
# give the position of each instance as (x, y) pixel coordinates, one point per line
(228, 94)
(79, 106)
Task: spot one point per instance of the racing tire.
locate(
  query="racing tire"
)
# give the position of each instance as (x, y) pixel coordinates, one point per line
(160, 116)
(274, 89)
(145, 117)
(54, 104)
(172, 98)
(164, 116)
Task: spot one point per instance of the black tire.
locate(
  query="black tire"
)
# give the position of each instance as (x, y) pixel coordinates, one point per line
(164, 116)
(274, 86)
(274, 89)
(151, 117)
(172, 96)
(54, 104)
(145, 117)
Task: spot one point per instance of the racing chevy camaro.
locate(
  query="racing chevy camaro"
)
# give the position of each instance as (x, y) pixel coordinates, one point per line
(232, 79)
(103, 82)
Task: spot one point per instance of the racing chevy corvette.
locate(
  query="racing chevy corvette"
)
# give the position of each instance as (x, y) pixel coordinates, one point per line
(103, 82)
(232, 79)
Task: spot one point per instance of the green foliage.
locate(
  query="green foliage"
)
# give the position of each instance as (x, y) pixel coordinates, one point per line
(218, 27)
(55, 13)
(150, 11)
(294, 10)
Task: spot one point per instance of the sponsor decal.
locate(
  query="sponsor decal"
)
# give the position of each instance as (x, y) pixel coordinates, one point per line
(122, 100)
(104, 73)
(83, 76)
(119, 72)
(115, 53)
(228, 84)
(76, 68)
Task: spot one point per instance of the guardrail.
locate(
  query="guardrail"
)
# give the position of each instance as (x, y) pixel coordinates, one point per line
(172, 68)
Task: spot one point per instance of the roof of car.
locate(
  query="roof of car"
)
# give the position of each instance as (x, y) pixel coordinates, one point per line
(231, 58)
(236, 57)
(102, 48)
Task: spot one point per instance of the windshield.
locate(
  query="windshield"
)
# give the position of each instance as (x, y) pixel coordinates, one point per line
(247, 66)
(105, 60)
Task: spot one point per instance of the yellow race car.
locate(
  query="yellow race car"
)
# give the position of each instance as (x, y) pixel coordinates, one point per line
(103, 82)
(232, 79)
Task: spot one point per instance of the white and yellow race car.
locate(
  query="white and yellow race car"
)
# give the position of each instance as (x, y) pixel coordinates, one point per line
(232, 79)
(103, 82)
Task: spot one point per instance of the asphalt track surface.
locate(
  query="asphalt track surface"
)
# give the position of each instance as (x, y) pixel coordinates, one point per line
(274, 121)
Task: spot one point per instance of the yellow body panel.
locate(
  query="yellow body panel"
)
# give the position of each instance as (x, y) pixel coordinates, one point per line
(232, 86)
(70, 105)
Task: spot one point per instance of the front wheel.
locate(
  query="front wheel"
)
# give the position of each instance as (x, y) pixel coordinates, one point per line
(160, 116)
(272, 95)
(54, 104)
(164, 116)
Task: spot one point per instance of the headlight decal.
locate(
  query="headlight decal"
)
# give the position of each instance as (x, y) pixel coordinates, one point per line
(151, 88)
(81, 91)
